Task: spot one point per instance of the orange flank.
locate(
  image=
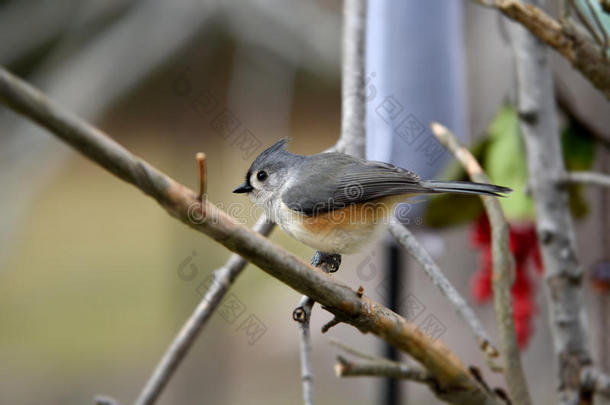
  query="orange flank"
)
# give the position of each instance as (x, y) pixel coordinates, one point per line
(352, 216)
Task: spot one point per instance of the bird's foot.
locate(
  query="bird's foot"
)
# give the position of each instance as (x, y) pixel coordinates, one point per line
(328, 262)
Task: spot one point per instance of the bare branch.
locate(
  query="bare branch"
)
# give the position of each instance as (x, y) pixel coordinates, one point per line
(202, 174)
(503, 269)
(304, 308)
(346, 368)
(302, 315)
(555, 229)
(406, 239)
(375, 366)
(456, 384)
(591, 178)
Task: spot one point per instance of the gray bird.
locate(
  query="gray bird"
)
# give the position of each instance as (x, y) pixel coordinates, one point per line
(335, 202)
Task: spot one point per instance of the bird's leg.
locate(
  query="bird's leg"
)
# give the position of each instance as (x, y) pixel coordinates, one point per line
(328, 262)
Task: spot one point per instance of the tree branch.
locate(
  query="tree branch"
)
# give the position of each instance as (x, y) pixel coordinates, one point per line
(591, 178)
(456, 384)
(584, 54)
(555, 230)
(385, 368)
(375, 366)
(305, 305)
(302, 315)
(407, 240)
(503, 269)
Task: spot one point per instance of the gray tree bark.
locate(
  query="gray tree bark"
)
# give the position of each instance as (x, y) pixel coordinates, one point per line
(555, 229)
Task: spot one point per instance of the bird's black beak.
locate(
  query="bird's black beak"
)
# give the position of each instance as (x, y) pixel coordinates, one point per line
(243, 188)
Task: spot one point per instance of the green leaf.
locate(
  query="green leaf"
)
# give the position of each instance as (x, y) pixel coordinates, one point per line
(506, 164)
(502, 154)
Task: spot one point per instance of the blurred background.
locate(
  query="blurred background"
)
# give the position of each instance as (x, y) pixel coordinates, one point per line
(96, 279)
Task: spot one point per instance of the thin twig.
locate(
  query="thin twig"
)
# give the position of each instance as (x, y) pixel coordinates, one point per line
(455, 383)
(202, 174)
(346, 368)
(302, 315)
(591, 178)
(375, 366)
(333, 322)
(223, 279)
(408, 241)
(503, 269)
(306, 305)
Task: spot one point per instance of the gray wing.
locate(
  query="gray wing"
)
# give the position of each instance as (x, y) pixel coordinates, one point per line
(330, 181)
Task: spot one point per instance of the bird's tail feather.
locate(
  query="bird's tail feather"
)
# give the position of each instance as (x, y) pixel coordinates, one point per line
(465, 187)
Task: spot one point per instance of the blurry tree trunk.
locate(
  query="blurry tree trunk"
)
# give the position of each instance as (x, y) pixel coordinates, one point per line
(563, 274)
(603, 294)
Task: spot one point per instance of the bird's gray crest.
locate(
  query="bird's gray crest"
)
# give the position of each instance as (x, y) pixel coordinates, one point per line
(271, 150)
(272, 157)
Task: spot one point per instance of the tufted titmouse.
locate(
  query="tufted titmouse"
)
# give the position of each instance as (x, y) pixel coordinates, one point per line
(335, 202)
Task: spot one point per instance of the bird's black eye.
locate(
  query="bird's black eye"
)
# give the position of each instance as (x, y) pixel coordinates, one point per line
(262, 175)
